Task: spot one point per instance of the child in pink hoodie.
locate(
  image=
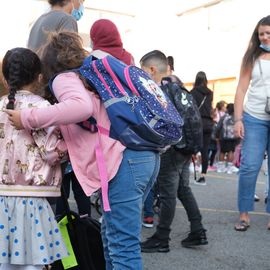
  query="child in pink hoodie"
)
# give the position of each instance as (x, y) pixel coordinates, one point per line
(131, 174)
(29, 172)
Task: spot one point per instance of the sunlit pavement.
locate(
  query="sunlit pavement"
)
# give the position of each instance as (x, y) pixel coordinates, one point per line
(227, 249)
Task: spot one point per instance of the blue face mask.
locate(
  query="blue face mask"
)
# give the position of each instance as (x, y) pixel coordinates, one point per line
(265, 47)
(78, 13)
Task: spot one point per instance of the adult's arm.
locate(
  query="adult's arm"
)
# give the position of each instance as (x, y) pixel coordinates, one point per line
(75, 105)
(243, 84)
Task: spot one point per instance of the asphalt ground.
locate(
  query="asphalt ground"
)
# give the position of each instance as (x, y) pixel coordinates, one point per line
(227, 248)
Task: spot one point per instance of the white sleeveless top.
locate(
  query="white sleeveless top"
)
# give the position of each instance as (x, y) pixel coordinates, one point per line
(257, 93)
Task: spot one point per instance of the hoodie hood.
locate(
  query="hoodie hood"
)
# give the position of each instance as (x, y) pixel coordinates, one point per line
(203, 90)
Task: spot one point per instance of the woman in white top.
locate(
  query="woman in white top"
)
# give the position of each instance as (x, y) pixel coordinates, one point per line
(252, 122)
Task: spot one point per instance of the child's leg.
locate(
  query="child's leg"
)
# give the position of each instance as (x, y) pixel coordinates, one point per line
(230, 156)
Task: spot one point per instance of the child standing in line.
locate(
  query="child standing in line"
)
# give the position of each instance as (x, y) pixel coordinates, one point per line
(29, 172)
(228, 141)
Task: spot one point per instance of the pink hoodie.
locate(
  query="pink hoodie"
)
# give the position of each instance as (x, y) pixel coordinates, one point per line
(76, 104)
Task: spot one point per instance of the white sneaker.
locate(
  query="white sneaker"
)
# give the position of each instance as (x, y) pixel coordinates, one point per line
(234, 169)
(221, 167)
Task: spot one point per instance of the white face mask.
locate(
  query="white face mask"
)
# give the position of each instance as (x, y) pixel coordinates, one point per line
(265, 47)
(78, 13)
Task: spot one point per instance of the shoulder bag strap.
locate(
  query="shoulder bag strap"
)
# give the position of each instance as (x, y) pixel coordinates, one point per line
(202, 102)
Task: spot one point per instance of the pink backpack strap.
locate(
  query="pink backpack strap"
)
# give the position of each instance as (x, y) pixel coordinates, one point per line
(102, 169)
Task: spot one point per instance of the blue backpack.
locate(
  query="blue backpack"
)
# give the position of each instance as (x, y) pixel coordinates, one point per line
(142, 116)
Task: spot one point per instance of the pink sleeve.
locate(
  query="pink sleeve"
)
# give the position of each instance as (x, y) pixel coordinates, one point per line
(51, 144)
(75, 105)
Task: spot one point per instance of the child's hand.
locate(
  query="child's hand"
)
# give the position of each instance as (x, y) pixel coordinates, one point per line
(15, 118)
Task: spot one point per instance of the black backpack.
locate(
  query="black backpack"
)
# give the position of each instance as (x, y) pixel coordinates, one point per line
(85, 238)
(192, 137)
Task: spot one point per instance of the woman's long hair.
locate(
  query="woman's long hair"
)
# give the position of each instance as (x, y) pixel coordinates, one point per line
(254, 51)
(201, 79)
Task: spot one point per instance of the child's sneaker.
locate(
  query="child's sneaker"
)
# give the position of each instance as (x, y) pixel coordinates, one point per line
(195, 239)
(201, 181)
(231, 168)
(256, 198)
(221, 168)
(148, 222)
(212, 168)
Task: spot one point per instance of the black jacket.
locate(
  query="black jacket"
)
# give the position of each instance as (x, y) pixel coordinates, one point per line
(199, 93)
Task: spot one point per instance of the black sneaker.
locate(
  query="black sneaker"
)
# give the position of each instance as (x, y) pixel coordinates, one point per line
(200, 181)
(195, 239)
(154, 244)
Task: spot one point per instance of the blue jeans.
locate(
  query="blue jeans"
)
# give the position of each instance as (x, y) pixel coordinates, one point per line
(255, 143)
(121, 227)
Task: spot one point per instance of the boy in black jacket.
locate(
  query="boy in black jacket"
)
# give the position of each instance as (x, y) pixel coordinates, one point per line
(173, 180)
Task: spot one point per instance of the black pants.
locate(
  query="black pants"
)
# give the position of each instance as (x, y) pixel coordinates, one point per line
(173, 181)
(204, 150)
(83, 201)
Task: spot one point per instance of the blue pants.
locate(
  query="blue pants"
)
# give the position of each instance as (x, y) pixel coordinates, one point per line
(121, 228)
(254, 145)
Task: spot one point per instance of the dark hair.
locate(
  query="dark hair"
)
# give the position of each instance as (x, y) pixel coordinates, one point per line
(220, 104)
(201, 79)
(60, 3)
(156, 58)
(254, 51)
(171, 62)
(63, 51)
(20, 67)
(230, 108)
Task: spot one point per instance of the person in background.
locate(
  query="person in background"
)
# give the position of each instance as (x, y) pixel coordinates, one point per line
(228, 141)
(63, 15)
(252, 121)
(173, 177)
(220, 110)
(214, 147)
(105, 39)
(171, 64)
(204, 98)
(131, 173)
(30, 163)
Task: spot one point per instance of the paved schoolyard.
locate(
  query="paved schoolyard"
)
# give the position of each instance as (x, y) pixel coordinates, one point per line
(227, 249)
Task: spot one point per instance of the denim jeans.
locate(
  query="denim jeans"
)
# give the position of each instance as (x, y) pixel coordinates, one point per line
(173, 181)
(121, 227)
(255, 143)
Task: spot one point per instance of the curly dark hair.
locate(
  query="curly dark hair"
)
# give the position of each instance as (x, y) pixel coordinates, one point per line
(63, 51)
(20, 67)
